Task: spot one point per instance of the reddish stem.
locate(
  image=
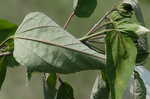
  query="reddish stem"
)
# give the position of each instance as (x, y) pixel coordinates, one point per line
(69, 19)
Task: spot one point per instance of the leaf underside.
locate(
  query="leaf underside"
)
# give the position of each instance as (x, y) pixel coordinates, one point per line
(43, 46)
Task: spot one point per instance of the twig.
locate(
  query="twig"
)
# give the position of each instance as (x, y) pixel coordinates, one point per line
(5, 54)
(101, 26)
(45, 86)
(59, 78)
(69, 19)
(98, 37)
(94, 41)
(94, 48)
(100, 21)
(95, 34)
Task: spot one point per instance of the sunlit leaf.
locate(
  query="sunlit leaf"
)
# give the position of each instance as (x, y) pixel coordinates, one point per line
(42, 46)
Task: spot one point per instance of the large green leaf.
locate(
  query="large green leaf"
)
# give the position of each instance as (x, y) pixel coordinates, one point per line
(121, 57)
(84, 8)
(121, 51)
(42, 46)
(100, 89)
(139, 89)
(65, 91)
(49, 85)
(3, 69)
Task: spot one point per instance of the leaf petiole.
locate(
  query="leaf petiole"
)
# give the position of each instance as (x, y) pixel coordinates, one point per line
(100, 21)
(69, 19)
(96, 34)
(5, 54)
(5, 41)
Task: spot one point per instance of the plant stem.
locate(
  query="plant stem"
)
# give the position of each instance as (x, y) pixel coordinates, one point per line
(95, 48)
(101, 26)
(69, 20)
(44, 80)
(100, 21)
(95, 34)
(5, 54)
(94, 41)
(59, 78)
(5, 41)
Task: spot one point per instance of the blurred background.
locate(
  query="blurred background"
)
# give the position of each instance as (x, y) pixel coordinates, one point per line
(16, 85)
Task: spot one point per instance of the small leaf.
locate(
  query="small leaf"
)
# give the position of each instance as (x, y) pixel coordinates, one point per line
(3, 69)
(49, 85)
(43, 46)
(100, 89)
(65, 91)
(139, 90)
(84, 8)
(121, 56)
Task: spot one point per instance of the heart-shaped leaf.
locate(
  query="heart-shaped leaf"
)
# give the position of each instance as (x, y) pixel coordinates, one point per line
(43, 46)
(84, 8)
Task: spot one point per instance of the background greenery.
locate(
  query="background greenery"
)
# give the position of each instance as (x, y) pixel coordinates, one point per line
(15, 86)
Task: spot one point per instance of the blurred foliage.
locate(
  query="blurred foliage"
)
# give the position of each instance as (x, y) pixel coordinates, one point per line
(58, 10)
